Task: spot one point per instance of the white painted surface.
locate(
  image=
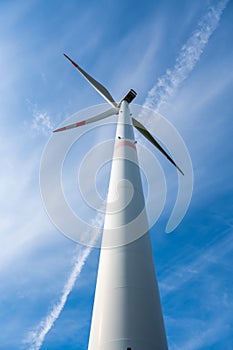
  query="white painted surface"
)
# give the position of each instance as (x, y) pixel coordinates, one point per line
(127, 311)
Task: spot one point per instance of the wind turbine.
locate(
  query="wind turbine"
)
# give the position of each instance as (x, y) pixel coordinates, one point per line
(127, 313)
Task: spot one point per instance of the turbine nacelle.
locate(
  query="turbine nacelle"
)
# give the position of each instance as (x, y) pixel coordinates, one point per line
(129, 97)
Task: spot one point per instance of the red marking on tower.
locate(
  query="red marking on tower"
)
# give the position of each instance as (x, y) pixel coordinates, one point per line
(125, 143)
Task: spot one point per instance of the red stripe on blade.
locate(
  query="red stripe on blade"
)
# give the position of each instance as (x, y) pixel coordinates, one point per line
(61, 129)
(75, 64)
(81, 123)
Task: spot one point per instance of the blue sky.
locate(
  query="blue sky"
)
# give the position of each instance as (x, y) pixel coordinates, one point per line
(124, 44)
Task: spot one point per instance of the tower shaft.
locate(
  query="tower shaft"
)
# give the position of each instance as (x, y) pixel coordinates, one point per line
(127, 312)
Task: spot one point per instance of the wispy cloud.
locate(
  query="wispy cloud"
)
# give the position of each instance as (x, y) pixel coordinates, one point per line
(195, 264)
(188, 57)
(200, 270)
(208, 335)
(42, 122)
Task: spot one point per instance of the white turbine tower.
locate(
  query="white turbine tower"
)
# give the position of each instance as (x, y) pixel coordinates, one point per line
(127, 312)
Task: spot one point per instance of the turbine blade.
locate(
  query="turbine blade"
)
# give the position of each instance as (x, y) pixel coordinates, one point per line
(100, 116)
(150, 138)
(96, 85)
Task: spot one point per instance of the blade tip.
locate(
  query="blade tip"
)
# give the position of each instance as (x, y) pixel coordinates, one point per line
(181, 172)
(66, 56)
(74, 63)
(60, 129)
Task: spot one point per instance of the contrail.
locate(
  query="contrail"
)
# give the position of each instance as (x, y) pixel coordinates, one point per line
(36, 337)
(188, 57)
